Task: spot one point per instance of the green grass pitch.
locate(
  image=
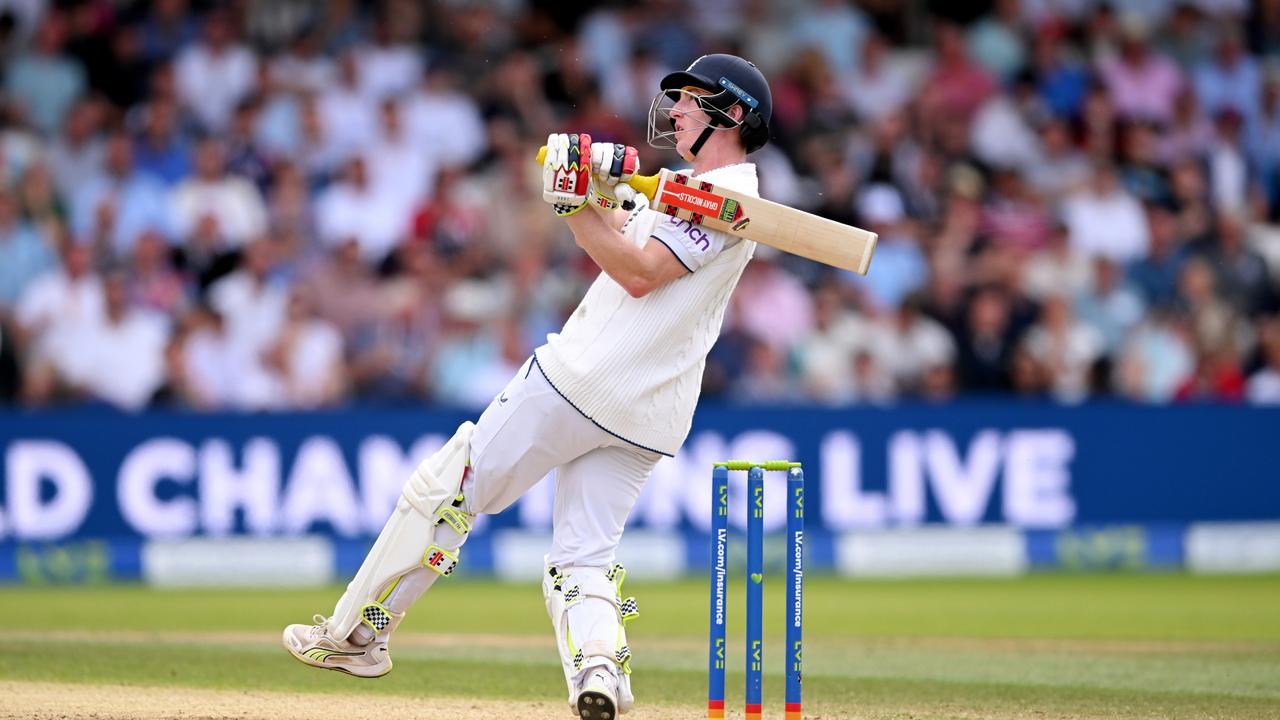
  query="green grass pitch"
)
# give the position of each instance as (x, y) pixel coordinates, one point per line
(1044, 646)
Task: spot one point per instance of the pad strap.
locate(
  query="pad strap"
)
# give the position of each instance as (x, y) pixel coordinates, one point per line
(441, 560)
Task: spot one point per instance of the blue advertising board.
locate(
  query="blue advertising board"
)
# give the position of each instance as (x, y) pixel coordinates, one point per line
(88, 474)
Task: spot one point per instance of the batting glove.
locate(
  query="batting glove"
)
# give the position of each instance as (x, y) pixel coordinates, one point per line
(612, 165)
(566, 172)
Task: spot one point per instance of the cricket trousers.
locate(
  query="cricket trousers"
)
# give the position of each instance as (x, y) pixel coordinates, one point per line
(530, 429)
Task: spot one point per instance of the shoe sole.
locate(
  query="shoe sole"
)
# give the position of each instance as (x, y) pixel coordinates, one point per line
(594, 705)
(337, 668)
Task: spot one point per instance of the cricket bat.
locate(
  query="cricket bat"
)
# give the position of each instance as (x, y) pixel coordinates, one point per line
(763, 221)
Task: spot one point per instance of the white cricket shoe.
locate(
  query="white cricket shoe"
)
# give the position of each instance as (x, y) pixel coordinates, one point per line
(313, 645)
(598, 696)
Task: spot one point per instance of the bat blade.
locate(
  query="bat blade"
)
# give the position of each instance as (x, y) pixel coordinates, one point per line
(764, 221)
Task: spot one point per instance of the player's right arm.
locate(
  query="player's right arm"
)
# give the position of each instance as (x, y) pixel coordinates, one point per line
(567, 186)
(638, 269)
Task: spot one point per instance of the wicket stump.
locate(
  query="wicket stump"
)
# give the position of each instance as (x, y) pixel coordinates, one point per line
(755, 585)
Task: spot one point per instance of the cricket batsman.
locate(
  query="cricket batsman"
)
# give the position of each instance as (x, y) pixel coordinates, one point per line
(601, 402)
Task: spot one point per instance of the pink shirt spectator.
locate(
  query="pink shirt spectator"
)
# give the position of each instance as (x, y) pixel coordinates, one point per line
(1143, 87)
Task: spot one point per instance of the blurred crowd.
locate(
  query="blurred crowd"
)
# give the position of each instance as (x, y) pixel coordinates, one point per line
(262, 205)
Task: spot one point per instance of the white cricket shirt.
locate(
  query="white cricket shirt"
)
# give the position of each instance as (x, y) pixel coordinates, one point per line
(634, 365)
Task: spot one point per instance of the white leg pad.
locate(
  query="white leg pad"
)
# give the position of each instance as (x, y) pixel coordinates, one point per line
(430, 497)
(588, 616)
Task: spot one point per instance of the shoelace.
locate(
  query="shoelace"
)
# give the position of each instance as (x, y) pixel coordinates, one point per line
(320, 626)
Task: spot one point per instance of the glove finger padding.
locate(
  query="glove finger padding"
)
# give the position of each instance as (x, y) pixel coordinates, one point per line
(612, 165)
(566, 172)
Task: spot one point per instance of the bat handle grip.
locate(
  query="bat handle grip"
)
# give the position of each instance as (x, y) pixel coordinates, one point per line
(646, 185)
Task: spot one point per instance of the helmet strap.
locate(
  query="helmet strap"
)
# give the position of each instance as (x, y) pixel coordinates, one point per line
(702, 138)
(717, 118)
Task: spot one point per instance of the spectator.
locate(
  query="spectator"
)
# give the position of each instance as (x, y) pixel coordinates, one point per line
(764, 376)
(397, 169)
(1230, 80)
(837, 29)
(162, 150)
(1142, 82)
(153, 282)
(169, 27)
(117, 203)
(1110, 305)
(40, 202)
(347, 115)
(231, 203)
(1264, 141)
(307, 356)
(1216, 378)
(1062, 169)
(121, 360)
(1241, 273)
(826, 354)
(478, 352)
(252, 300)
(244, 156)
(1156, 359)
(46, 83)
(1002, 134)
(392, 351)
(1186, 39)
(997, 41)
(769, 290)
(207, 363)
(444, 122)
(1066, 348)
(987, 341)
(315, 153)
(58, 307)
(77, 152)
(1228, 168)
(1057, 269)
(1213, 323)
(1156, 275)
(1061, 79)
(353, 209)
(958, 86)
(1106, 220)
(1142, 170)
(1263, 387)
(880, 86)
(916, 346)
(387, 68)
(901, 269)
(1190, 134)
(24, 253)
(344, 289)
(10, 369)
(1013, 217)
(215, 74)
(303, 68)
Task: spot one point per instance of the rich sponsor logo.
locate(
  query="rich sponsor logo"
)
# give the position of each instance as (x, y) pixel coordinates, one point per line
(695, 233)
